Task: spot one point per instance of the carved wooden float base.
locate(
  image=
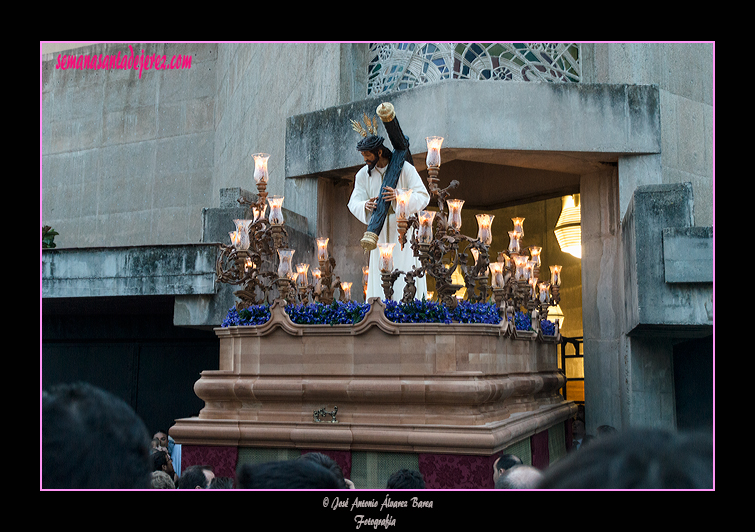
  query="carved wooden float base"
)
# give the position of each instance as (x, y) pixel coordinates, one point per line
(482, 440)
(459, 388)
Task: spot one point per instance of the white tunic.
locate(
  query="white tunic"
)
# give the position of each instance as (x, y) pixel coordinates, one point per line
(366, 186)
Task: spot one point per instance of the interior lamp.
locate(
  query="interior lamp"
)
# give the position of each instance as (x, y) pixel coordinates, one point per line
(568, 228)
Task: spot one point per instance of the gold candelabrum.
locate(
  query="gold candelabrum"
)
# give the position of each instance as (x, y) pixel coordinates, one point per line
(260, 260)
(444, 251)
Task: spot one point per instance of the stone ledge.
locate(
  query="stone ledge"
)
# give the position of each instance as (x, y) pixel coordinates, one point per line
(180, 269)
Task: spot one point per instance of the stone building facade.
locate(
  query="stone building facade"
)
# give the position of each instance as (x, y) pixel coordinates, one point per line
(141, 169)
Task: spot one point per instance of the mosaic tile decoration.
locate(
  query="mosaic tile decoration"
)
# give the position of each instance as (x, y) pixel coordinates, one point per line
(401, 66)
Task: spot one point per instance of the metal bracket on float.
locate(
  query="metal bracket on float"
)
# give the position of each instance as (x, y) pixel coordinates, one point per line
(322, 412)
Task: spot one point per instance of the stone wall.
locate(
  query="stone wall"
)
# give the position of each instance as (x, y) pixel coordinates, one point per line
(133, 160)
(683, 73)
(128, 160)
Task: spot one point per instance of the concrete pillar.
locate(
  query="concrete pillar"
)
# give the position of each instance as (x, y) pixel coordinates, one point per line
(602, 298)
(646, 283)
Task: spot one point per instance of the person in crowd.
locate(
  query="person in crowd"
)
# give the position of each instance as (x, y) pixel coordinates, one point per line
(162, 437)
(161, 462)
(639, 458)
(286, 474)
(605, 430)
(406, 479)
(196, 477)
(162, 480)
(580, 436)
(503, 463)
(519, 477)
(166, 442)
(174, 449)
(92, 439)
(154, 445)
(328, 463)
(221, 483)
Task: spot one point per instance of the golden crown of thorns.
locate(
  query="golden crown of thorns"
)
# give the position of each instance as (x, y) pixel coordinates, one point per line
(369, 128)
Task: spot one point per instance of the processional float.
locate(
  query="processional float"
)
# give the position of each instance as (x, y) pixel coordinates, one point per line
(431, 390)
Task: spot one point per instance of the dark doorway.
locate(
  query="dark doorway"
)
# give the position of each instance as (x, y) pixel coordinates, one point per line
(129, 347)
(693, 384)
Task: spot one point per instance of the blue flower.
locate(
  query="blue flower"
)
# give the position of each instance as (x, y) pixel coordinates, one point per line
(423, 311)
(466, 312)
(349, 313)
(253, 315)
(548, 327)
(522, 321)
(337, 313)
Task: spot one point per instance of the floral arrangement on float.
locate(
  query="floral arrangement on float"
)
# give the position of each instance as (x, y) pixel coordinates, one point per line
(351, 313)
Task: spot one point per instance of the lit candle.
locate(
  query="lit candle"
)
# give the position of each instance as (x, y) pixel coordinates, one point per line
(475, 253)
(425, 235)
(454, 215)
(513, 242)
(535, 253)
(317, 281)
(346, 287)
(556, 275)
(531, 264)
(235, 239)
(249, 265)
(519, 226)
(386, 257)
(520, 261)
(276, 210)
(402, 202)
(301, 274)
(526, 270)
(365, 278)
(259, 214)
(433, 151)
(260, 167)
(242, 228)
(284, 268)
(496, 269)
(484, 234)
(533, 287)
(322, 249)
(544, 287)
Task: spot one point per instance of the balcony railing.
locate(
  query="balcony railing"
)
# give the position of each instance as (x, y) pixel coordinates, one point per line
(400, 66)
